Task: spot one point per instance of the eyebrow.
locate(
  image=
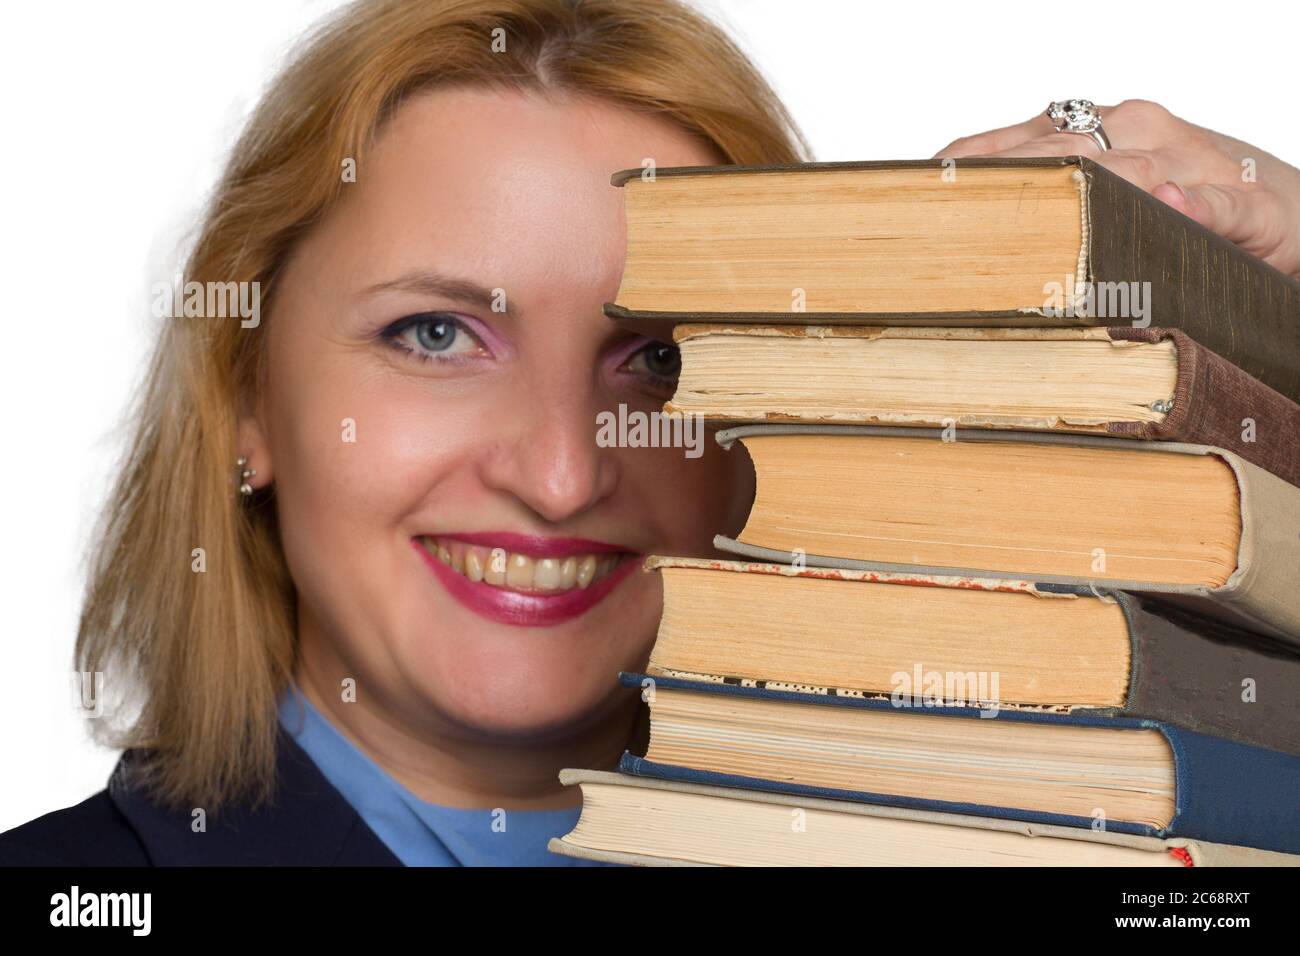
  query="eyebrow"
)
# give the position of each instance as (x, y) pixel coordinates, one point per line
(429, 282)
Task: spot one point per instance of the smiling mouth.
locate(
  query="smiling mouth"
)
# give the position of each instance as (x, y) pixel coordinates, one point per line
(513, 571)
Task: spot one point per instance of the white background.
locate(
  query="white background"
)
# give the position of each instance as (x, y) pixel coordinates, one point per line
(117, 115)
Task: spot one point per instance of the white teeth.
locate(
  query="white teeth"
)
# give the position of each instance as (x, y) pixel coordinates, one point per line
(521, 572)
(568, 572)
(546, 574)
(495, 570)
(473, 565)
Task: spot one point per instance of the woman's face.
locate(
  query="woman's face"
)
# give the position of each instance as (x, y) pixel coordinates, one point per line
(461, 544)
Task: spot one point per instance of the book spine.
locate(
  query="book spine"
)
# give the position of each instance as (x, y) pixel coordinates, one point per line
(1209, 677)
(1216, 403)
(1226, 299)
(1263, 589)
(1232, 793)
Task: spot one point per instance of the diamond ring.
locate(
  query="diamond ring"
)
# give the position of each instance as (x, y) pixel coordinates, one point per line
(1079, 116)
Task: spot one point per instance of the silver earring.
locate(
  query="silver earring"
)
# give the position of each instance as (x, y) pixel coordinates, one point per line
(245, 473)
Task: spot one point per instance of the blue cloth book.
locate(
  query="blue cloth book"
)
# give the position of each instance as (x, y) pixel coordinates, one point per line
(1222, 791)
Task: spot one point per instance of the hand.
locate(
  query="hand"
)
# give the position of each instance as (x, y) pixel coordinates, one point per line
(1230, 187)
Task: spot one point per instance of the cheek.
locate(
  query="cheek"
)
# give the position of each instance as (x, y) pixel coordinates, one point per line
(692, 499)
(355, 456)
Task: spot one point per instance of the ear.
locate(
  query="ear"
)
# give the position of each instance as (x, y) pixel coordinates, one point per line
(252, 444)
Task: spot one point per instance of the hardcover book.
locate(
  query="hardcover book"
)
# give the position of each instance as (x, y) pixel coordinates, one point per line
(1121, 774)
(1154, 384)
(979, 242)
(1023, 644)
(645, 821)
(1195, 524)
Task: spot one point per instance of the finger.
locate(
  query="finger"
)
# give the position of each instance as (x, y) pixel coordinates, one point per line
(1052, 144)
(1133, 124)
(997, 139)
(1232, 212)
(1141, 124)
(1171, 194)
(1144, 168)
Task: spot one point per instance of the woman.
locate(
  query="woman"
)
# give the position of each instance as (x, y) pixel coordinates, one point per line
(367, 577)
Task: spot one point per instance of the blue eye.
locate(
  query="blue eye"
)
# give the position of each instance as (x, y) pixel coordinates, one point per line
(436, 335)
(433, 336)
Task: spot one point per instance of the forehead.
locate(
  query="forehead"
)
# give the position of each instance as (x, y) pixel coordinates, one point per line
(504, 184)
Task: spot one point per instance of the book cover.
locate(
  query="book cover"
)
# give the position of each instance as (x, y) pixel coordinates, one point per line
(1216, 403)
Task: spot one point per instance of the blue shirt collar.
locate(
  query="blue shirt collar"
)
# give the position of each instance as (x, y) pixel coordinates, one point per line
(418, 832)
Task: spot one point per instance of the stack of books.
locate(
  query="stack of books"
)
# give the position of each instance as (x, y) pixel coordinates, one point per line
(1021, 580)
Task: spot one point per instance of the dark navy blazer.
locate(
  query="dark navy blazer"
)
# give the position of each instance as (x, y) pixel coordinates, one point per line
(308, 824)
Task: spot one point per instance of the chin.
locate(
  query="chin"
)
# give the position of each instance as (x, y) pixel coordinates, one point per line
(502, 680)
(548, 699)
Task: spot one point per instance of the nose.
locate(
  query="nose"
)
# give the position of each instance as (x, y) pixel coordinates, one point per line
(548, 458)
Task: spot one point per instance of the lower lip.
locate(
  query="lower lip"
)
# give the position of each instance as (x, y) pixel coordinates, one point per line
(522, 609)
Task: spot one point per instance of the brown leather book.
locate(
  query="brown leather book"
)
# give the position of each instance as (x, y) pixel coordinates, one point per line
(1154, 384)
(971, 242)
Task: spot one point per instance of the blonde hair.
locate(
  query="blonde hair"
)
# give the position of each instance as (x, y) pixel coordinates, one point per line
(205, 655)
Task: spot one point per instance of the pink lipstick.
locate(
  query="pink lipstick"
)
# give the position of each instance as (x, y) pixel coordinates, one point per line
(525, 580)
